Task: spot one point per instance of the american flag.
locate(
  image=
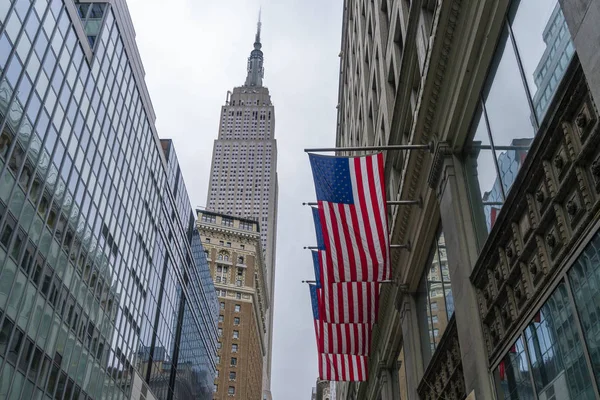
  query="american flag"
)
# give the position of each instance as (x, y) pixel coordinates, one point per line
(349, 302)
(353, 217)
(317, 266)
(344, 338)
(339, 338)
(343, 367)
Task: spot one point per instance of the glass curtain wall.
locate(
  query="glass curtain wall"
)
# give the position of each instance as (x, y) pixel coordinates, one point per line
(557, 355)
(532, 54)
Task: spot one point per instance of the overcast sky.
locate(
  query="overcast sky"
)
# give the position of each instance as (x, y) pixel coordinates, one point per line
(193, 52)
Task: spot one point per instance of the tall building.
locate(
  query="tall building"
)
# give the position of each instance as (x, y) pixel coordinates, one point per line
(498, 296)
(234, 250)
(101, 294)
(243, 179)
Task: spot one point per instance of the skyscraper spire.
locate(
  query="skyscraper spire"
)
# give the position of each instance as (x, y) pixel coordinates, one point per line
(256, 71)
(258, 26)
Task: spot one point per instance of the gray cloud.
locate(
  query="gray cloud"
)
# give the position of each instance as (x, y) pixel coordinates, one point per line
(193, 52)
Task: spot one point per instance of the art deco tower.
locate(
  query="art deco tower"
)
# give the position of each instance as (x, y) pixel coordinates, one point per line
(243, 180)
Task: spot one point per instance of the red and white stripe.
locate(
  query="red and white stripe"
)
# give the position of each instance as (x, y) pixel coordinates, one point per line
(356, 235)
(349, 302)
(343, 338)
(343, 367)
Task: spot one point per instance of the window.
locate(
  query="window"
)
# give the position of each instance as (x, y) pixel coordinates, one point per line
(234, 348)
(552, 347)
(233, 361)
(240, 260)
(220, 331)
(236, 321)
(219, 345)
(227, 221)
(435, 303)
(222, 305)
(215, 388)
(529, 63)
(231, 390)
(221, 274)
(207, 240)
(209, 218)
(236, 334)
(232, 375)
(228, 244)
(218, 359)
(237, 308)
(216, 373)
(221, 318)
(238, 296)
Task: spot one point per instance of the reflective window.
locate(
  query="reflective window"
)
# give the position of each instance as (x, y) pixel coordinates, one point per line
(584, 277)
(555, 352)
(434, 299)
(553, 357)
(530, 59)
(513, 374)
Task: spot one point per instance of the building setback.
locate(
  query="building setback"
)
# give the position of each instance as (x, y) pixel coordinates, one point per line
(104, 291)
(243, 180)
(499, 295)
(233, 248)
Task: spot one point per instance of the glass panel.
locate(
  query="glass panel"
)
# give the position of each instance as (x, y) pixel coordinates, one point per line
(544, 45)
(434, 299)
(482, 179)
(585, 282)
(557, 361)
(509, 163)
(512, 374)
(506, 103)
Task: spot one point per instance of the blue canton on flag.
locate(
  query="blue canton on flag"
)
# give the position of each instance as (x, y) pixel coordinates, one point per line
(314, 301)
(332, 178)
(318, 230)
(315, 256)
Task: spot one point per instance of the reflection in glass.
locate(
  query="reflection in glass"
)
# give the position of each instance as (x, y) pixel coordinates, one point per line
(585, 282)
(545, 47)
(512, 374)
(533, 52)
(505, 100)
(434, 299)
(557, 360)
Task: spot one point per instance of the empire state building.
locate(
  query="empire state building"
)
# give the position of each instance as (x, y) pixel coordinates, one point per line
(243, 180)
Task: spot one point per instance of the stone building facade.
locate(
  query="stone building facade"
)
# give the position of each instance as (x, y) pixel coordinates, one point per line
(498, 295)
(234, 253)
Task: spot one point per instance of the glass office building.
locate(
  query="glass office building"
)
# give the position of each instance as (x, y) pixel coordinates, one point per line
(99, 282)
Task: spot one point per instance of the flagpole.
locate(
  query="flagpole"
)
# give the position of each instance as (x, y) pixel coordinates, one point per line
(385, 281)
(430, 147)
(392, 246)
(389, 203)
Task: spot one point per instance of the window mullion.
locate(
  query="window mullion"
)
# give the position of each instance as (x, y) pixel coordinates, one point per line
(584, 343)
(489, 131)
(523, 77)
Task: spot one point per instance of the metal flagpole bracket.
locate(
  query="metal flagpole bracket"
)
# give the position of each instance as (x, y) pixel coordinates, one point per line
(406, 246)
(389, 203)
(429, 147)
(385, 281)
(392, 246)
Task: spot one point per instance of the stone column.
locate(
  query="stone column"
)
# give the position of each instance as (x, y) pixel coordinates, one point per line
(448, 180)
(411, 343)
(582, 19)
(389, 384)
